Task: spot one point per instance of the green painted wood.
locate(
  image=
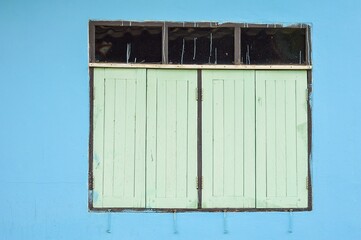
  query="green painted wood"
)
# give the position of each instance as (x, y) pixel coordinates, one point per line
(291, 141)
(281, 139)
(218, 138)
(119, 137)
(302, 138)
(228, 135)
(233, 120)
(109, 135)
(171, 139)
(98, 137)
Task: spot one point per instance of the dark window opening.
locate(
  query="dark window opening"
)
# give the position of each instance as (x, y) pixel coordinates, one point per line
(128, 44)
(273, 46)
(201, 45)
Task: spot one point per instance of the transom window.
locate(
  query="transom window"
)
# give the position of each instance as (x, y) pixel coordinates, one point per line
(199, 116)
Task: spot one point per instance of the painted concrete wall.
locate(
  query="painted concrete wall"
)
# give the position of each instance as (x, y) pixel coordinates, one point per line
(44, 121)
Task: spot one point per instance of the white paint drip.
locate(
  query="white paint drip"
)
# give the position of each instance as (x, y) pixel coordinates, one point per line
(129, 46)
(194, 48)
(182, 51)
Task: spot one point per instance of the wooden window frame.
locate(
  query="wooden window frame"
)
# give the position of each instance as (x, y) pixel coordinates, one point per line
(165, 25)
(237, 65)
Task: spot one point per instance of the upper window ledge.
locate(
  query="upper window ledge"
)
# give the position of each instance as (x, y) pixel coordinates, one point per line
(205, 66)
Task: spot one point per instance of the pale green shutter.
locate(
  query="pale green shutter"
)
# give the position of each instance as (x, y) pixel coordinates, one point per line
(254, 131)
(228, 139)
(281, 128)
(171, 139)
(119, 138)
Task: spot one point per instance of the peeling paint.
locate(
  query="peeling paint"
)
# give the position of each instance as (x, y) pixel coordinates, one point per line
(95, 196)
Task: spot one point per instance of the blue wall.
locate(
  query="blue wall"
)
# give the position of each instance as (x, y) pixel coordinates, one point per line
(44, 121)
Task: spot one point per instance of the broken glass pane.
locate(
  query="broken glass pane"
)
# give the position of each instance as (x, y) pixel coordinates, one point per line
(128, 44)
(200, 45)
(273, 45)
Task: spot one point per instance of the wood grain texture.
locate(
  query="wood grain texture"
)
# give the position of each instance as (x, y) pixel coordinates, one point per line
(254, 138)
(228, 133)
(281, 126)
(171, 139)
(119, 138)
(98, 137)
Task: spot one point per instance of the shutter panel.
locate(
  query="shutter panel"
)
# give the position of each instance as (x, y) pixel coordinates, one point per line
(228, 139)
(171, 139)
(119, 138)
(281, 123)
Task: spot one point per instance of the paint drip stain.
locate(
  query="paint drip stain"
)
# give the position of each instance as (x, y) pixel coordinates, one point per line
(95, 196)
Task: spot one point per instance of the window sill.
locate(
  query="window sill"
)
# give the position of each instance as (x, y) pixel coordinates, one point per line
(191, 66)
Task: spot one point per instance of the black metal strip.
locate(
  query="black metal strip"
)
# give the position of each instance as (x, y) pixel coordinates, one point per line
(199, 134)
(237, 45)
(90, 150)
(308, 46)
(309, 129)
(91, 42)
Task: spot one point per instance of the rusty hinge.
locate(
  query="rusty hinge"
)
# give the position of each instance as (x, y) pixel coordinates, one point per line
(199, 94)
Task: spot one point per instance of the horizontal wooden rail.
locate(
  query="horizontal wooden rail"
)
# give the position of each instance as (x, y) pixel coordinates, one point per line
(191, 66)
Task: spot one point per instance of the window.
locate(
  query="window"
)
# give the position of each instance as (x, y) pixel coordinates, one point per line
(194, 127)
(201, 45)
(273, 45)
(127, 44)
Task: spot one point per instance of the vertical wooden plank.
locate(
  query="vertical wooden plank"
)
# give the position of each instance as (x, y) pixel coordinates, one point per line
(176, 139)
(120, 141)
(151, 136)
(218, 138)
(207, 138)
(98, 137)
(181, 138)
(281, 168)
(228, 157)
(162, 144)
(239, 127)
(229, 138)
(249, 142)
(291, 138)
(302, 138)
(271, 137)
(192, 193)
(140, 139)
(130, 138)
(108, 174)
(261, 139)
(171, 139)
